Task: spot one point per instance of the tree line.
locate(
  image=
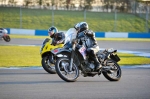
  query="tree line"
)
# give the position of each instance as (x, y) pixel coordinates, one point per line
(120, 5)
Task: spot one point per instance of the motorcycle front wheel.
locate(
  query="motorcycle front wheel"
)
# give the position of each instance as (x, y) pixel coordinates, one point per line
(47, 65)
(114, 73)
(62, 69)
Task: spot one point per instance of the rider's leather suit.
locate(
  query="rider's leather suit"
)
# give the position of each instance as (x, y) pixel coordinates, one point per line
(87, 38)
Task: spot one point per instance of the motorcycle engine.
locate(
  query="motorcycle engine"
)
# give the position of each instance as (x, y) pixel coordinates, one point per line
(90, 67)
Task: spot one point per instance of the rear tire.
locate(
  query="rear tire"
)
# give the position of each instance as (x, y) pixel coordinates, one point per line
(48, 67)
(115, 73)
(7, 38)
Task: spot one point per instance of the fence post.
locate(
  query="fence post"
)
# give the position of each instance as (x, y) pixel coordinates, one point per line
(85, 15)
(52, 16)
(115, 22)
(147, 13)
(20, 17)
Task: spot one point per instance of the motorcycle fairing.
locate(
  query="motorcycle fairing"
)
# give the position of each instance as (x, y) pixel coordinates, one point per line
(47, 47)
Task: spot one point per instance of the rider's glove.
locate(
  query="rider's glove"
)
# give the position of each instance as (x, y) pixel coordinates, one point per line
(57, 42)
(54, 43)
(74, 41)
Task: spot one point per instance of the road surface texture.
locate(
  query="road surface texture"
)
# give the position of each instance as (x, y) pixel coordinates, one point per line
(120, 45)
(37, 84)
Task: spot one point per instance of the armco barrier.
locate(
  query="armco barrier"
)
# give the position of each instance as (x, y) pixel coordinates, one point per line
(41, 32)
(97, 34)
(22, 31)
(116, 35)
(138, 35)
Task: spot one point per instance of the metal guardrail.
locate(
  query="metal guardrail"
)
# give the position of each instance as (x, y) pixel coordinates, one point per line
(97, 34)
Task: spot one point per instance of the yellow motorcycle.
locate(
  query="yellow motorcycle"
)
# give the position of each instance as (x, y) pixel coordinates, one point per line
(48, 59)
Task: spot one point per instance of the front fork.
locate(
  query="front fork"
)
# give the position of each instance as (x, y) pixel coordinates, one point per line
(71, 58)
(51, 59)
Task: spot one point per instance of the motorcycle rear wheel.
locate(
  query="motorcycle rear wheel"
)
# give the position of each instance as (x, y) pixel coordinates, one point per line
(115, 73)
(62, 69)
(48, 67)
(6, 38)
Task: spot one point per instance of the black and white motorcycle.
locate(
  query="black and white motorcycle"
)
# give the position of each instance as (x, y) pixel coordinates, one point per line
(74, 59)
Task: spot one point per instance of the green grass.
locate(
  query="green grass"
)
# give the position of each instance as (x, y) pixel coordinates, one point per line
(130, 59)
(24, 56)
(19, 56)
(42, 19)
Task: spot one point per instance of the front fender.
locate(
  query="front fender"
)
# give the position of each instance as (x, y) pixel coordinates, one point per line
(45, 54)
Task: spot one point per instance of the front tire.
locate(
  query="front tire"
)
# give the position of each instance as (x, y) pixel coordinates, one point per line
(114, 74)
(48, 67)
(62, 69)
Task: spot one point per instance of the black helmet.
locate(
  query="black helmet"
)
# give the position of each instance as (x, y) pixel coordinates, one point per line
(83, 26)
(52, 30)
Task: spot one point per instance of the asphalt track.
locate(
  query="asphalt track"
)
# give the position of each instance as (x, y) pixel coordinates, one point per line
(142, 46)
(35, 83)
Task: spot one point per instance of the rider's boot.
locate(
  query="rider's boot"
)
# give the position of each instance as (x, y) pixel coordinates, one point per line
(96, 62)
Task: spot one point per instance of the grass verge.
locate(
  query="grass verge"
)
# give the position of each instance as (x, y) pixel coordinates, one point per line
(24, 56)
(64, 19)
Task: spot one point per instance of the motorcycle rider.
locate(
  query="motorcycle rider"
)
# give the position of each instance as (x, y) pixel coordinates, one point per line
(91, 43)
(2, 32)
(57, 37)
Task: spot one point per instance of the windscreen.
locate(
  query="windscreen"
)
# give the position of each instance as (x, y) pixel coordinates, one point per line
(70, 35)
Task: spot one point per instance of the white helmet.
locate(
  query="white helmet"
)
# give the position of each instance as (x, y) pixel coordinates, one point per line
(77, 26)
(3, 30)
